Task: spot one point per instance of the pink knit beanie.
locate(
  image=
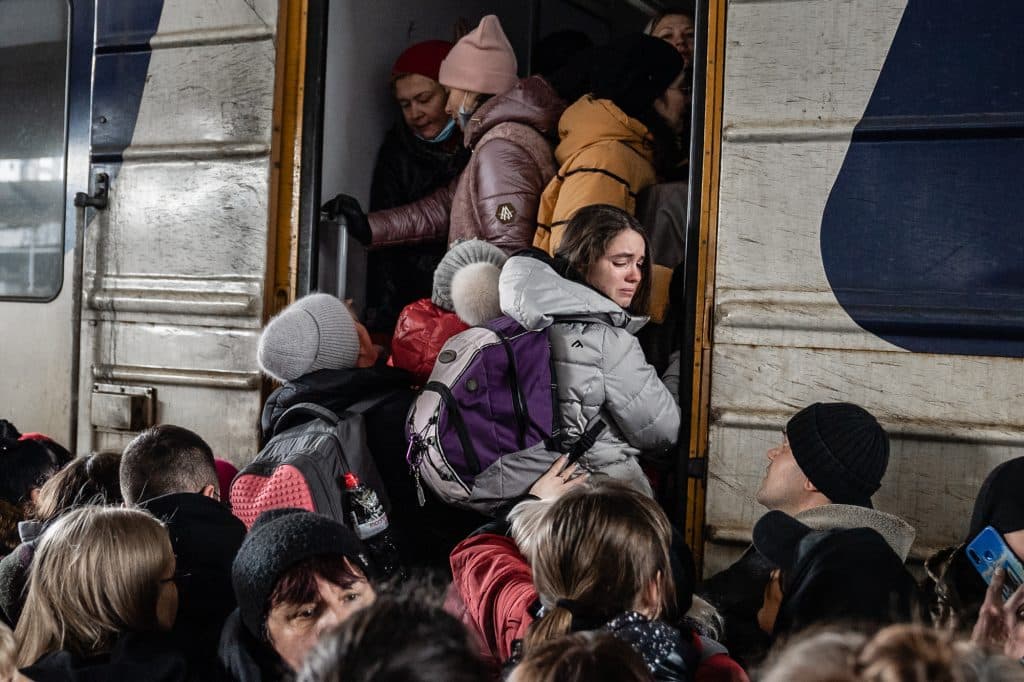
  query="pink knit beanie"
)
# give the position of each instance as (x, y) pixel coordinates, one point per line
(482, 61)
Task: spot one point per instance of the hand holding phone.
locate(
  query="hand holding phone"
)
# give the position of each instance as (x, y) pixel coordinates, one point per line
(987, 552)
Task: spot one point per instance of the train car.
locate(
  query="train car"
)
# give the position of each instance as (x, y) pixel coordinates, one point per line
(865, 244)
(854, 219)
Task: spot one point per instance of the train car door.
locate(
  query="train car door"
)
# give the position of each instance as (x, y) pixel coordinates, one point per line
(46, 52)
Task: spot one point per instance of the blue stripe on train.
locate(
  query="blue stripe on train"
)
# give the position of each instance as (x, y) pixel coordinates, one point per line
(922, 237)
(123, 31)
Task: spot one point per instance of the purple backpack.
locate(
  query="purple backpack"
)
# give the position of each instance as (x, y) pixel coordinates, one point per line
(486, 425)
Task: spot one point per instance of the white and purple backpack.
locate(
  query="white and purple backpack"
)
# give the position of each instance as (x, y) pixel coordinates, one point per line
(486, 424)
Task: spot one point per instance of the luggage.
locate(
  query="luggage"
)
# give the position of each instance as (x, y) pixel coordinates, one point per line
(304, 463)
(485, 426)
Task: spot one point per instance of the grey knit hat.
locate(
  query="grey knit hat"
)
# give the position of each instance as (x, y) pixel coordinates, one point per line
(463, 253)
(313, 333)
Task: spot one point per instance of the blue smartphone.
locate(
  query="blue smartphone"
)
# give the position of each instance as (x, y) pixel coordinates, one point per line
(988, 551)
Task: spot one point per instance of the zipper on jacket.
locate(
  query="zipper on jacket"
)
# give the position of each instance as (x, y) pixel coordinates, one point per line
(460, 426)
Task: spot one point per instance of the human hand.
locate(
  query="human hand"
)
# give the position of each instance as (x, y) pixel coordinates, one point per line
(990, 630)
(555, 482)
(348, 208)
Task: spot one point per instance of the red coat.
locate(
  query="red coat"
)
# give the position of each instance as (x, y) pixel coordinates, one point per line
(495, 589)
(420, 332)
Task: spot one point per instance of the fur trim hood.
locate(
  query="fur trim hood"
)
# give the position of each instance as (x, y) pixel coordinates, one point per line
(898, 534)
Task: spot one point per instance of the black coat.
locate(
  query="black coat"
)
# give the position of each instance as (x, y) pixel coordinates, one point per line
(244, 658)
(407, 169)
(135, 656)
(205, 537)
(737, 593)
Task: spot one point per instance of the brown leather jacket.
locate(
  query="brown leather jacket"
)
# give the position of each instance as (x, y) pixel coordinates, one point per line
(497, 195)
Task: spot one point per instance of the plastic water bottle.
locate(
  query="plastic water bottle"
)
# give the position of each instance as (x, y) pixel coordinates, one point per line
(370, 523)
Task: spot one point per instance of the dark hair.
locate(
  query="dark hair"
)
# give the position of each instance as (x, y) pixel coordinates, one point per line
(92, 479)
(166, 459)
(24, 465)
(581, 657)
(685, 10)
(555, 50)
(586, 239)
(396, 640)
(297, 585)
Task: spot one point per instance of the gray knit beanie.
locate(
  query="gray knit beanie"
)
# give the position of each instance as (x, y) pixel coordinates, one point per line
(313, 333)
(463, 253)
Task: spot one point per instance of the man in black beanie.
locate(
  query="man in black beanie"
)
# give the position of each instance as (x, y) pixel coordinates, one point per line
(831, 461)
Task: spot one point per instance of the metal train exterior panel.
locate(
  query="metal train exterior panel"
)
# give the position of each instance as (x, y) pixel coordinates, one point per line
(869, 247)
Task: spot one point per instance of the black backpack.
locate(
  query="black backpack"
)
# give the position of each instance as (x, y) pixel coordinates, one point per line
(304, 463)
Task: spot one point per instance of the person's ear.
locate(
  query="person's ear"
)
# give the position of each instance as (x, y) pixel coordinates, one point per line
(810, 487)
(211, 491)
(652, 597)
(33, 496)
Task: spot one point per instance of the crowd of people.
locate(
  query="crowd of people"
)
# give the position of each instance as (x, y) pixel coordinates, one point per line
(525, 198)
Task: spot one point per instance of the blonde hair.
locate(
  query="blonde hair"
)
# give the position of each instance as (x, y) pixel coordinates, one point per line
(96, 574)
(817, 655)
(580, 549)
(525, 520)
(8, 665)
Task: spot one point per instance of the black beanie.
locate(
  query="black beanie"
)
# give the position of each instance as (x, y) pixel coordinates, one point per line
(1000, 503)
(842, 449)
(278, 540)
(635, 70)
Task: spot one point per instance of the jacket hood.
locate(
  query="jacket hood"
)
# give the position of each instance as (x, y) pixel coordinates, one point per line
(531, 102)
(591, 120)
(534, 295)
(896, 532)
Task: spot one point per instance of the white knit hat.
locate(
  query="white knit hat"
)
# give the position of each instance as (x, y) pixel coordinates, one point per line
(313, 333)
(460, 255)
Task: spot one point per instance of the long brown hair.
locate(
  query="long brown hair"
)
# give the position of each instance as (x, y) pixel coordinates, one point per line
(586, 239)
(95, 575)
(599, 551)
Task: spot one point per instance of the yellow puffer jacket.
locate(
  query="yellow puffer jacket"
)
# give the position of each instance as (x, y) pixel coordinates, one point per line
(605, 157)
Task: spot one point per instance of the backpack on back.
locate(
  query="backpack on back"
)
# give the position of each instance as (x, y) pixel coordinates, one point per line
(304, 464)
(486, 424)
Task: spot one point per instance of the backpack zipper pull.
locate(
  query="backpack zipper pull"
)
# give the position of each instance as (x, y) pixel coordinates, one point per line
(420, 497)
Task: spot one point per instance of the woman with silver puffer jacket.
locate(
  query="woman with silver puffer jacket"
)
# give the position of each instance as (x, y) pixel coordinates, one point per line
(587, 295)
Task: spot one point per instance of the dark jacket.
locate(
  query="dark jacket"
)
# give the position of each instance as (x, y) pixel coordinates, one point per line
(738, 591)
(244, 658)
(497, 195)
(407, 169)
(205, 537)
(135, 656)
(14, 572)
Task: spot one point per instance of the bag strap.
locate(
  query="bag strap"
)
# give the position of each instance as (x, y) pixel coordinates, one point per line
(586, 441)
(320, 412)
(307, 410)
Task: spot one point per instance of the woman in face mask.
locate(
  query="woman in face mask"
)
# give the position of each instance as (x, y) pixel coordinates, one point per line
(422, 152)
(508, 124)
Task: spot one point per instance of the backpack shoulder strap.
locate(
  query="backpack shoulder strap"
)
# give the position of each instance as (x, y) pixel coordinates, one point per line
(312, 410)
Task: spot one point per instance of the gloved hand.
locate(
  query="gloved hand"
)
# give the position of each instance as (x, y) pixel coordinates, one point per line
(348, 208)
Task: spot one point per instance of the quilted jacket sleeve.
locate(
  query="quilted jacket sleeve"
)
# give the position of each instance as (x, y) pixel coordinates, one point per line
(643, 408)
(495, 584)
(508, 188)
(424, 220)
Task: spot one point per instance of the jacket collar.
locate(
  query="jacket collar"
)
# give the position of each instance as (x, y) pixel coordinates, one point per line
(898, 534)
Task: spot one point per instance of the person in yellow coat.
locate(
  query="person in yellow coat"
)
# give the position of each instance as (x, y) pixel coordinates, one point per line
(614, 140)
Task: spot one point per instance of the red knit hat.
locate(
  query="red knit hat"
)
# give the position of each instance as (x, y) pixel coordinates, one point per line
(422, 58)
